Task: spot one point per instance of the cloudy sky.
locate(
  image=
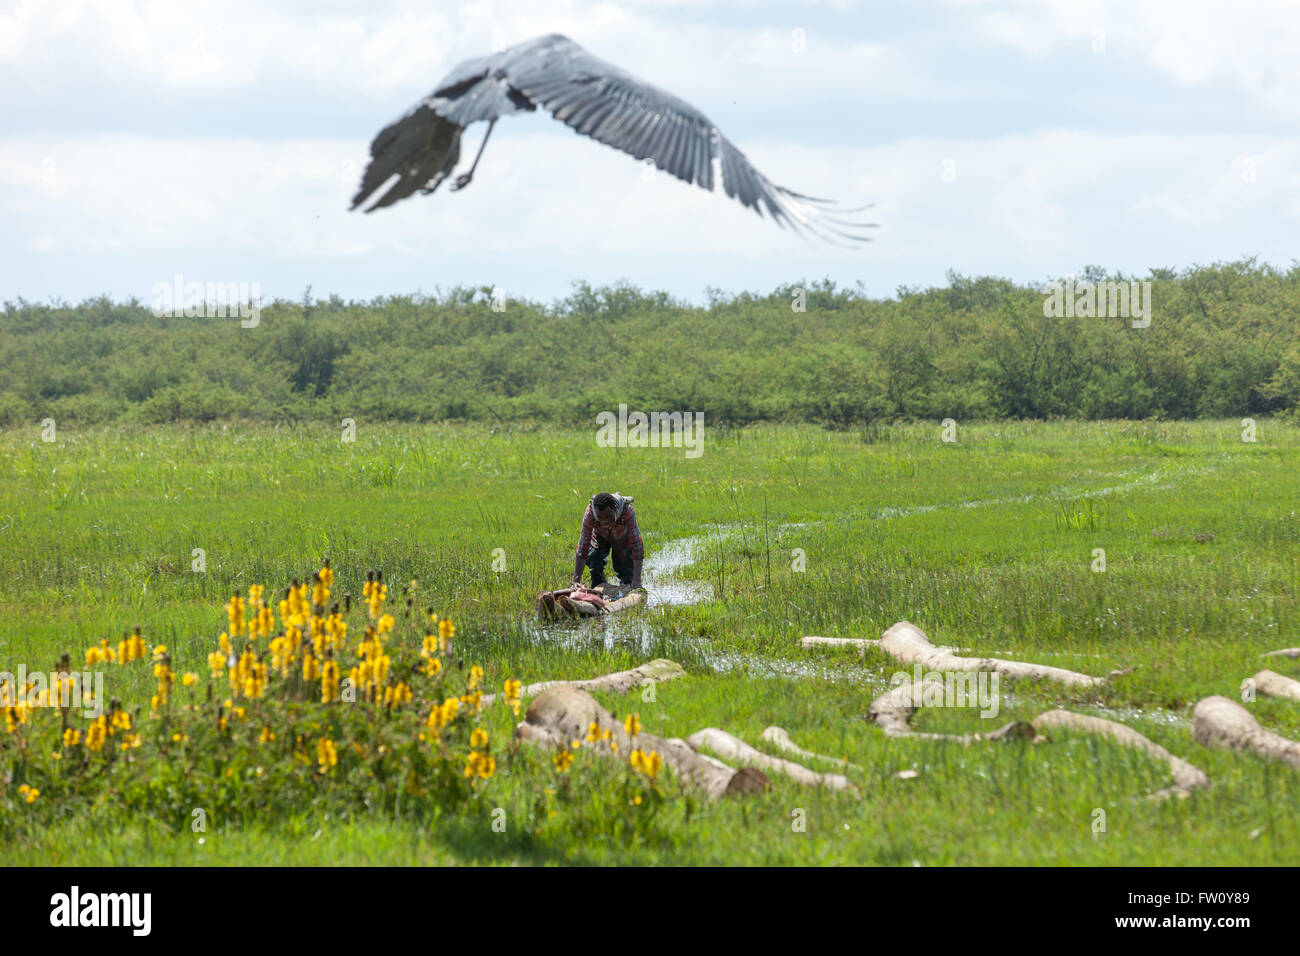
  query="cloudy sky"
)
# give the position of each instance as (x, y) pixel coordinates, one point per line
(223, 141)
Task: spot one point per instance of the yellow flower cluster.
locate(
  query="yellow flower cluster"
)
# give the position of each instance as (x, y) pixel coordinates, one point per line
(29, 794)
(632, 724)
(337, 630)
(320, 588)
(398, 694)
(375, 592)
(262, 623)
(304, 646)
(235, 613)
(56, 695)
(595, 735)
(436, 643)
(371, 672)
(294, 609)
(648, 763)
(327, 754)
(329, 679)
(16, 716)
(131, 648)
(105, 726)
(443, 714)
(472, 701)
(480, 765)
(248, 676)
(162, 672)
(311, 670)
(284, 649)
(101, 653)
(563, 759)
(512, 691)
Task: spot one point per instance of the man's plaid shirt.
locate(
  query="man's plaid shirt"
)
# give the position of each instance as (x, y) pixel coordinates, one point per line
(624, 537)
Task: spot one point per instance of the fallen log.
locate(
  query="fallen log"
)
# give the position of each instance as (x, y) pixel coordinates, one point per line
(861, 643)
(892, 711)
(730, 747)
(563, 714)
(1274, 685)
(620, 682)
(907, 644)
(781, 740)
(1186, 777)
(1291, 652)
(1220, 722)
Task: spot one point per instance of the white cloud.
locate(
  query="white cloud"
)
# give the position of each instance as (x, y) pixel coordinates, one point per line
(271, 192)
(1026, 205)
(1248, 45)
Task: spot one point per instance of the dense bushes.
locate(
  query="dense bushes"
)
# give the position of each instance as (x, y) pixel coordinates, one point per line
(1223, 341)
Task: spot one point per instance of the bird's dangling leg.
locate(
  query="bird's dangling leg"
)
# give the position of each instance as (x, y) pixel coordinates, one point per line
(464, 180)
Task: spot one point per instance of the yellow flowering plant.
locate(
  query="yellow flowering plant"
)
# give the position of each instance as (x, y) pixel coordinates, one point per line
(298, 702)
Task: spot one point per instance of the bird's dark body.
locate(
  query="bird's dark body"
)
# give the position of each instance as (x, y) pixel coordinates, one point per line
(594, 98)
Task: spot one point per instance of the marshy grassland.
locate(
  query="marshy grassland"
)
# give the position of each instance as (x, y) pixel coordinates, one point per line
(989, 543)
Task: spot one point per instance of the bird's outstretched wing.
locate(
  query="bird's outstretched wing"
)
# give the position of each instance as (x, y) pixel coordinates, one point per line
(597, 99)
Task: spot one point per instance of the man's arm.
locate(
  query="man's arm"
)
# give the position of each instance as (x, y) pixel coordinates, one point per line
(584, 543)
(638, 547)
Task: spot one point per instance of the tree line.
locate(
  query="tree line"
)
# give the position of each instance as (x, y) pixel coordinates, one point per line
(1221, 341)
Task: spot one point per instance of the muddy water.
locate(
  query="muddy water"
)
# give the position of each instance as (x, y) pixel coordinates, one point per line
(634, 628)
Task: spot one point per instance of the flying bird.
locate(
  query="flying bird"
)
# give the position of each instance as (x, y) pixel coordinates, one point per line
(596, 99)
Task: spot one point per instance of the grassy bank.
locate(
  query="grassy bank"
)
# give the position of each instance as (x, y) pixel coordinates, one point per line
(988, 543)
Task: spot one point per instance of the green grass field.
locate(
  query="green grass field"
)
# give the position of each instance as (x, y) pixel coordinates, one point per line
(987, 544)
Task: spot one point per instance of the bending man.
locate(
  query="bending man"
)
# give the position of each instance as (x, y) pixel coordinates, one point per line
(609, 529)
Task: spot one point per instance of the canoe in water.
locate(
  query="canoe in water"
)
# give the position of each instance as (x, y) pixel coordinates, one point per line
(574, 602)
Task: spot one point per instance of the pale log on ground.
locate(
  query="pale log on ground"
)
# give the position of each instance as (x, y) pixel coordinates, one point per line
(907, 644)
(564, 714)
(620, 682)
(781, 740)
(892, 712)
(631, 600)
(1291, 652)
(861, 643)
(1221, 722)
(730, 747)
(1274, 684)
(1186, 777)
